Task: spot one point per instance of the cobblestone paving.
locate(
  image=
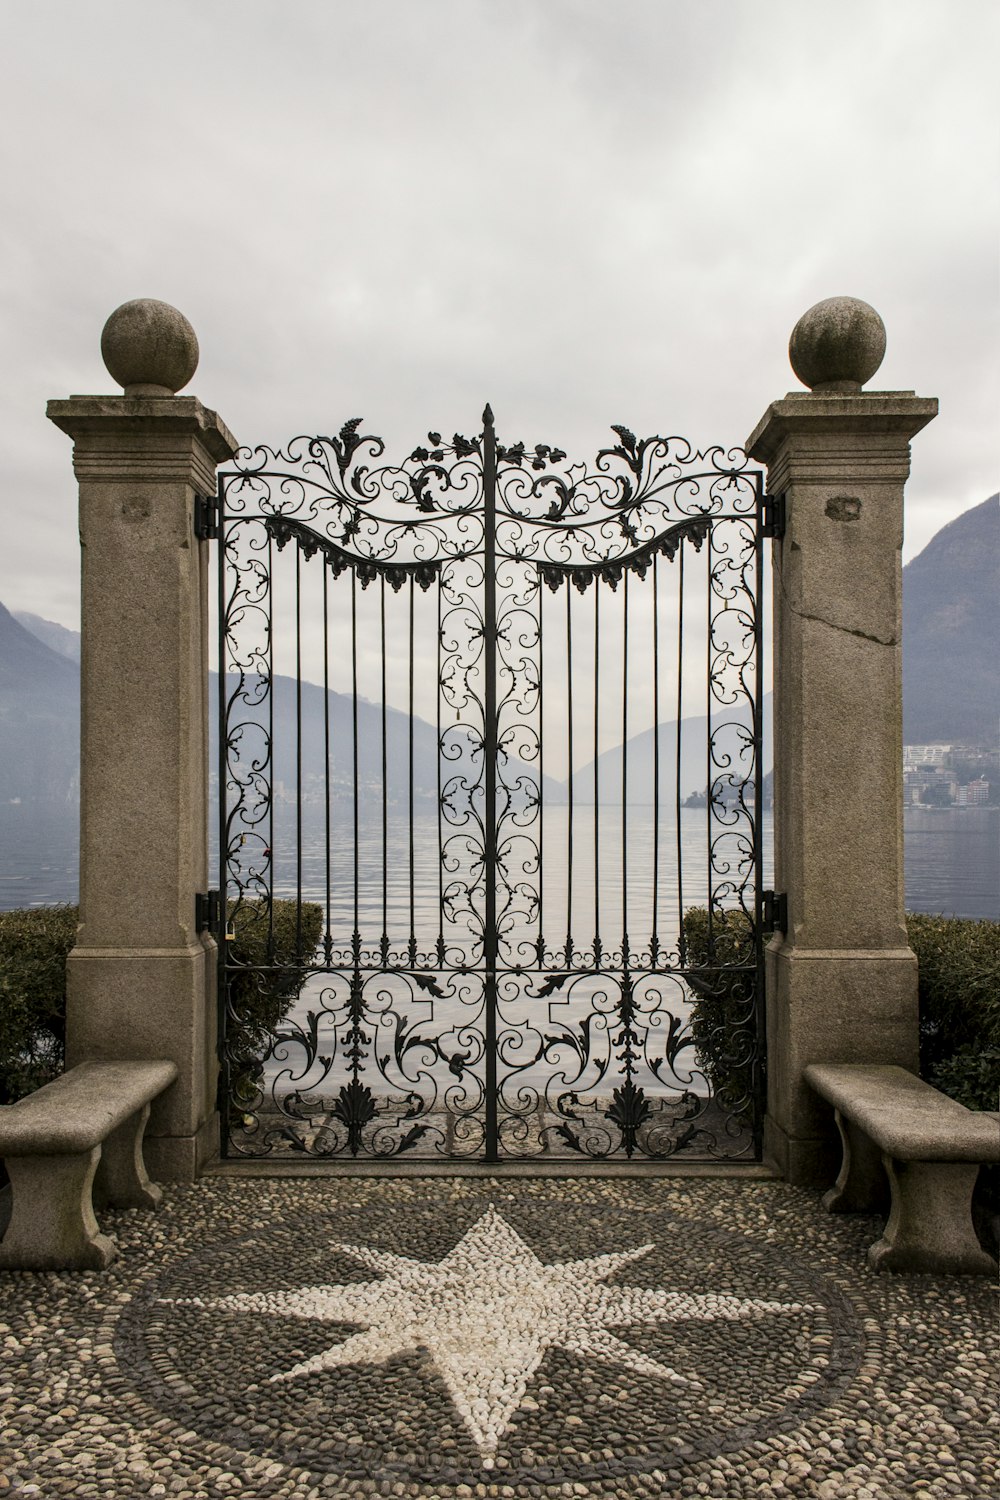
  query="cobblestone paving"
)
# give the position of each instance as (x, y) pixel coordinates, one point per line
(309, 1339)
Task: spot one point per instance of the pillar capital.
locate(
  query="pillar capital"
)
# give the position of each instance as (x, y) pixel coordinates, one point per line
(807, 437)
(889, 413)
(143, 439)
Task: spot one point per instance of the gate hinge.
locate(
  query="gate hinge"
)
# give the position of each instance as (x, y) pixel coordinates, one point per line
(772, 518)
(774, 912)
(206, 911)
(206, 517)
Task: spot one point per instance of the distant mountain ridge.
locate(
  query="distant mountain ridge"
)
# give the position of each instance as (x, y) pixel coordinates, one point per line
(951, 693)
(730, 727)
(458, 763)
(57, 637)
(39, 720)
(951, 633)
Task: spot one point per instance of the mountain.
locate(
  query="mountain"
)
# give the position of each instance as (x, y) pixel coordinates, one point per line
(57, 637)
(39, 720)
(459, 762)
(40, 731)
(951, 693)
(727, 729)
(951, 633)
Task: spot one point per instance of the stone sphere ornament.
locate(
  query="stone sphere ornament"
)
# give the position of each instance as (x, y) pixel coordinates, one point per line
(149, 348)
(837, 345)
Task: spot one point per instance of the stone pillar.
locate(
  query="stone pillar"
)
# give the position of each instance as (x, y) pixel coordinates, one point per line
(141, 979)
(842, 982)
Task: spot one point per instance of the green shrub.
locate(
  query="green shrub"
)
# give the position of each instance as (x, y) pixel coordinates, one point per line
(721, 973)
(33, 948)
(972, 1076)
(959, 997)
(959, 1006)
(277, 954)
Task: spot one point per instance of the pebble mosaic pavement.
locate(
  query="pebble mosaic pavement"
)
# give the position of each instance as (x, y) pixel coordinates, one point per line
(716, 1338)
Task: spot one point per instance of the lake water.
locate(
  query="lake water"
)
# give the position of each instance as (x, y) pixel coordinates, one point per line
(952, 863)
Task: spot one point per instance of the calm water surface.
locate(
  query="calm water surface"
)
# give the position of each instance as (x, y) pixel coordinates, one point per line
(952, 864)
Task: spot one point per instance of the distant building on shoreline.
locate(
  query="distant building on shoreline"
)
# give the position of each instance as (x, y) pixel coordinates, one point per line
(951, 776)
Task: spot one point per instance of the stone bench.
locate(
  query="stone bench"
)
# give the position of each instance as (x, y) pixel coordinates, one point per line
(909, 1147)
(72, 1142)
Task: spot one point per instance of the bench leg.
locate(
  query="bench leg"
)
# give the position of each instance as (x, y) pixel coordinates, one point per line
(122, 1181)
(862, 1187)
(52, 1225)
(930, 1222)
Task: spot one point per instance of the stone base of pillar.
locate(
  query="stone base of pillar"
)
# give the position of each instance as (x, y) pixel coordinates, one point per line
(804, 1161)
(154, 1003)
(837, 1005)
(183, 1158)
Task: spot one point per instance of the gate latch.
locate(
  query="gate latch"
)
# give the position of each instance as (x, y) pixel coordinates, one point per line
(772, 517)
(774, 914)
(206, 911)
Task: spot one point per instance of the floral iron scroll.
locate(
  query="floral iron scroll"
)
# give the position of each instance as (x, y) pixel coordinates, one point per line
(472, 1025)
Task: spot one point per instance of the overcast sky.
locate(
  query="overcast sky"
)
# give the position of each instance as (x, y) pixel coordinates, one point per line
(585, 212)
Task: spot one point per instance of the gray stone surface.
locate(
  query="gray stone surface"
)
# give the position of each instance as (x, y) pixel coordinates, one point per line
(53, 1225)
(930, 1222)
(141, 979)
(899, 1133)
(837, 345)
(81, 1107)
(149, 348)
(812, 1378)
(906, 1116)
(73, 1143)
(842, 982)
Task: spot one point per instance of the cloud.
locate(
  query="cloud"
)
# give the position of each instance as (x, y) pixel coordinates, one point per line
(584, 213)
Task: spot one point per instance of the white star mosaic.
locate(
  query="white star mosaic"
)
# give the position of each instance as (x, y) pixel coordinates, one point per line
(486, 1314)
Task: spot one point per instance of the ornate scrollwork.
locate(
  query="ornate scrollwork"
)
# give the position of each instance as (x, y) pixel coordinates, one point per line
(388, 1050)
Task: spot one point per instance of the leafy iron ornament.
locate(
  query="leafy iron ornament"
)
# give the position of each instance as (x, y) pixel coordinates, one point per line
(479, 1015)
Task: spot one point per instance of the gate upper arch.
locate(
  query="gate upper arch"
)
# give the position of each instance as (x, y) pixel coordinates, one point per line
(456, 703)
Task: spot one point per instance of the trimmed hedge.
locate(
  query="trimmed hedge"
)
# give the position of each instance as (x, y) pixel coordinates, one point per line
(34, 945)
(959, 1006)
(33, 948)
(722, 1018)
(260, 998)
(959, 985)
(959, 996)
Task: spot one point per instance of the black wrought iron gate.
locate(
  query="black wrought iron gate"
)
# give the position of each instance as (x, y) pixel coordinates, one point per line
(490, 774)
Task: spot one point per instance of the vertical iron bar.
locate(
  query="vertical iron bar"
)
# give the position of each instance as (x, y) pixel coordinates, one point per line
(490, 728)
(597, 810)
(328, 943)
(540, 945)
(223, 765)
(298, 752)
(681, 937)
(355, 1039)
(413, 933)
(385, 789)
(760, 1018)
(654, 941)
(708, 743)
(354, 747)
(569, 781)
(270, 750)
(440, 752)
(625, 762)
